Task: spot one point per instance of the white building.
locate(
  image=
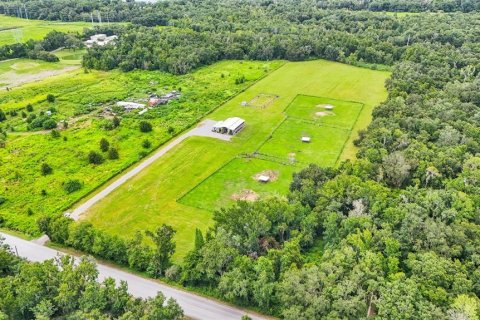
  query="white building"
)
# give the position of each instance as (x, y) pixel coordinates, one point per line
(100, 40)
(130, 105)
(230, 126)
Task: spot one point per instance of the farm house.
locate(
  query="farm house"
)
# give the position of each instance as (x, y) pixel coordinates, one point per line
(100, 39)
(230, 126)
(128, 106)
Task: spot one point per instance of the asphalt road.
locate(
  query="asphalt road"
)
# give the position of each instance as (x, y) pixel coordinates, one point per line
(194, 306)
(202, 130)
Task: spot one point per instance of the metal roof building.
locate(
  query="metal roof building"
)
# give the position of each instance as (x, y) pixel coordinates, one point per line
(230, 126)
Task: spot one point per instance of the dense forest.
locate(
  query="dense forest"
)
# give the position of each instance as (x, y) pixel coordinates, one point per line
(66, 289)
(283, 32)
(163, 12)
(396, 233)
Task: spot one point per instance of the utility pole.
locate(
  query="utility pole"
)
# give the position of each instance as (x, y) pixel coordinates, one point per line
(91, 16)
(99, 17)
(25, 8)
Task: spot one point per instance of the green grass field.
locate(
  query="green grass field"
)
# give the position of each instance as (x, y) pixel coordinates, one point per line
(15, 30)
(344, 114)
(80, 99)
(226, 185)
(324, 148)
(165, 192)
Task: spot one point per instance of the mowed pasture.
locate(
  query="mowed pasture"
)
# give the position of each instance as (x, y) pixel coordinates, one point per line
(16, 30)
(183, 187)
(80, 100)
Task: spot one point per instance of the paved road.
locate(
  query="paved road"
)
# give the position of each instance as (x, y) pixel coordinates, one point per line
(194, 306)
(203, 130)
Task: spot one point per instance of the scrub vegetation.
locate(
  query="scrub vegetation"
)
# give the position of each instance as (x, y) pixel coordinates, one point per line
(77, 113)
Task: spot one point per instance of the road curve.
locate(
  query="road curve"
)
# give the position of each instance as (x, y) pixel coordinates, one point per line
(194, 306)
(203, 129)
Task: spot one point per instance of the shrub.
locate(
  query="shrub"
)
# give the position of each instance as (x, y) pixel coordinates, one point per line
(55, 134)
(112, 154)
(145, 126)
(2, 200)
(71, 186)
(24, 115)
(29, 108)
(107, 125)
(146, 144)
(104, 145)
(46, 169)
(115, 122)
(95, 157)
(49, 124)
(240, 79)
(171, 130)
(30, 212)
(173, 273)
(3, 117)
(31, 117)
(50, 98)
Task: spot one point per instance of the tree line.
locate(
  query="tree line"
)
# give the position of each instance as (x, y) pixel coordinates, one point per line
(164, 12)
(41, 49)
(67, 289)
(358, 38)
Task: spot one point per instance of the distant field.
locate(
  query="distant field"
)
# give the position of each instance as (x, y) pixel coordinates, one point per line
(15, 30)
(188, 183)
(20, 71)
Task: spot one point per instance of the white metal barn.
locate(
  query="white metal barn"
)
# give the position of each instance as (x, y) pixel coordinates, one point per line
(229, 126)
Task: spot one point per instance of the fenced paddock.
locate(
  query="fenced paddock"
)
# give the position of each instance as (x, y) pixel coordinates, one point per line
(262, 100)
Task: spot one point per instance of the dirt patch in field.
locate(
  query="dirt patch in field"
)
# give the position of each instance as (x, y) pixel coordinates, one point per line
(246, 195)
(272, 174)
(24, 65)
(12, 79)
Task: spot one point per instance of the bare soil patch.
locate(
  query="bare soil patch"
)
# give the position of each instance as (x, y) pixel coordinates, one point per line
(246, 195)
(12, 79)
